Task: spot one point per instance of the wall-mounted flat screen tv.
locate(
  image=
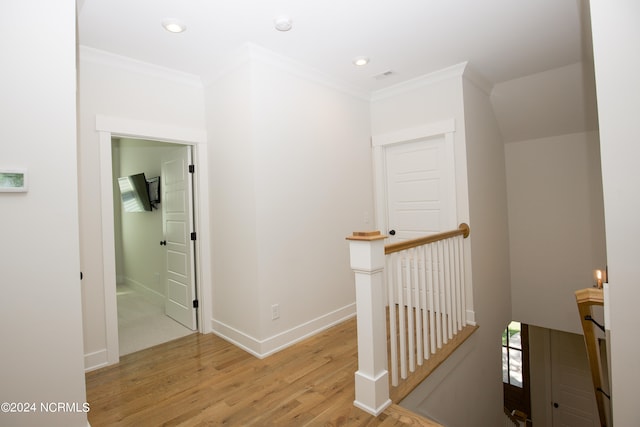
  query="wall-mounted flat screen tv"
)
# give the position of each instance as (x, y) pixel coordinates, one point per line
(153, 186)
(134, 190)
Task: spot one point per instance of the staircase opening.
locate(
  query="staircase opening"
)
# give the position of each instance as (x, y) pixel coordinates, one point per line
(515, 372)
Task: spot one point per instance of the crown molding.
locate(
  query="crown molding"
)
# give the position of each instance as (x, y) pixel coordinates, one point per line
(461, 70)
(252, 52)
(101, 57)
(303, 71)
(232, 62)
(454, 71)
(475, 77)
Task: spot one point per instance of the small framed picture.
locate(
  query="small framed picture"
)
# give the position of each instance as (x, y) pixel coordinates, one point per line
(13, 180)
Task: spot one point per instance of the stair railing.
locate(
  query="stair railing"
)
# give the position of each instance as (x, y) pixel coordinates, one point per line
(423, 284)
(426, 297)
(586, 299)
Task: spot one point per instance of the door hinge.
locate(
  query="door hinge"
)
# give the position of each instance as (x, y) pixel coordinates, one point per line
(192, 168)
(193, 236)
(195, 303)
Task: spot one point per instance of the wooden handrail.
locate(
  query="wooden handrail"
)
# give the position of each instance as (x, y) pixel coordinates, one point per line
(463, 230)
(587, 298)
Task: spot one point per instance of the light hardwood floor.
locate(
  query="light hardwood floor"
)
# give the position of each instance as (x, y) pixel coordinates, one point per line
(202, 380)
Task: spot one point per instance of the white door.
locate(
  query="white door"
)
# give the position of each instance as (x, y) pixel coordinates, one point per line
(574, 402)
(176, 188)
(420, 188)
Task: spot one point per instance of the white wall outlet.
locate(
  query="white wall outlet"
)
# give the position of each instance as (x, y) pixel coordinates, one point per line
(275, 311)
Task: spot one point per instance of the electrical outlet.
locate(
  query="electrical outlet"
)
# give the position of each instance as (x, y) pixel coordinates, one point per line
(275, 311)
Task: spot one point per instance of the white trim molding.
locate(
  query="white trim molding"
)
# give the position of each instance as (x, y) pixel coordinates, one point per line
(109, 279)
(444, 128)
(461, 70)
(414, 133)
(266, 347)
(253, 52)
(455, 71)
(107, 127)
(101, 57)
(150, 130)
(95, 360)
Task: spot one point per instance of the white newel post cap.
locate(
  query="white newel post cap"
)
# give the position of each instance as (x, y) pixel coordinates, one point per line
(367, 250)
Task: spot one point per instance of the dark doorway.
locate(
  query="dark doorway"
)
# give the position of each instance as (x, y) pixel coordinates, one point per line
(515, 371)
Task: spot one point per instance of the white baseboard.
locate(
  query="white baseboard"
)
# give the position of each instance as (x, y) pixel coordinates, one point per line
(269, 346)
(99, 359)
(471, 317)
(95, 360)
(236, 337)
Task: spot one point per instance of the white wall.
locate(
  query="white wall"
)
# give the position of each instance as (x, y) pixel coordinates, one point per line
(476, 379)
(616, 43)
(554, 102)
(313, 163)
(233, 224)
(291, 165)
(556, 226)
(489, 241)
(126, 89)
(40, 309)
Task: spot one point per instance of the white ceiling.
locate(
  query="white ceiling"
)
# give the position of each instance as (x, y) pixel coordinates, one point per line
(502, 39)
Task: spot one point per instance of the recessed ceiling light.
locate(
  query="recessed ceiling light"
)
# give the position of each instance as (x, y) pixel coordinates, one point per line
(173, 26)
(360, 61)
(283, 23)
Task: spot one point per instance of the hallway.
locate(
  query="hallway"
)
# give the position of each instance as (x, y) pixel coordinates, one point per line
(203, 380)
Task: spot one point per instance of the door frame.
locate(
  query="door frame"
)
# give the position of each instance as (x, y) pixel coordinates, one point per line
(108, 127)
(444, 128)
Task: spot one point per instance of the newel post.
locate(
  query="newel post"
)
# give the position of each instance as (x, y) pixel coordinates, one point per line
(372, 377)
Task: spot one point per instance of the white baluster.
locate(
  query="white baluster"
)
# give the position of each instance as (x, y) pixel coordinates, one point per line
(449, 286)
(463, 281)
(416, 297)
(402, 316)
(411, 345)
(443, 295)
(424, 293)
(393, 330)
(436, 295)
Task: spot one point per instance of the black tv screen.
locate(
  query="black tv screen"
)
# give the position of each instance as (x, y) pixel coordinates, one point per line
(135, 193)
(153, 185)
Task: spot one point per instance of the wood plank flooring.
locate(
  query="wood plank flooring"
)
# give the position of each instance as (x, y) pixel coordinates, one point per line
(202, 380)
